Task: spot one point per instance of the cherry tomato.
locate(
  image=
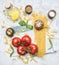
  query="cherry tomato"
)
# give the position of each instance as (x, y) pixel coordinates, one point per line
(26, 40)
(16, 41)
(21, 50)
(32, 48)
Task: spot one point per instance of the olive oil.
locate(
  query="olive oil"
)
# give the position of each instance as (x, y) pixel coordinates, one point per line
(12, 12)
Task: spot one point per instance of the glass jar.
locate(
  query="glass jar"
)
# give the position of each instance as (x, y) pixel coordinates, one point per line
(12, 12)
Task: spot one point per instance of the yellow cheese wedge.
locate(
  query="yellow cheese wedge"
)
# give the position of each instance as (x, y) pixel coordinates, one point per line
(40, 36)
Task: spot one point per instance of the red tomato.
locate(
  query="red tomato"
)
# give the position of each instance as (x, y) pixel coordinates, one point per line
(16, 41)
(32, 48)
(26, 40)
(21, 50)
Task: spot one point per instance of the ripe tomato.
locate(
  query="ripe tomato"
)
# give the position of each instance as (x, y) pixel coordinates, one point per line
(16, 41)
(21, 50)
(26, 40)
(32, 48)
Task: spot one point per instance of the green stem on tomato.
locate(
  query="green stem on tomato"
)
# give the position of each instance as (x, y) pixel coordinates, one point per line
(12, 51)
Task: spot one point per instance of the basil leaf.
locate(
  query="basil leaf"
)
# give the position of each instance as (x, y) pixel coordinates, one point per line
(29, 27)
(22, 23)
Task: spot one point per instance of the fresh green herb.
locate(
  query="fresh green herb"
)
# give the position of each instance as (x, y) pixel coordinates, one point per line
(51, 44)
(12, 51)
(22, 23)
(26, 23)
(29, 27)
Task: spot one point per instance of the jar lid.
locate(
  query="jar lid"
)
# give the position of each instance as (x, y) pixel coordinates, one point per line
(7, 5)
(28, 9)
(51, 14)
